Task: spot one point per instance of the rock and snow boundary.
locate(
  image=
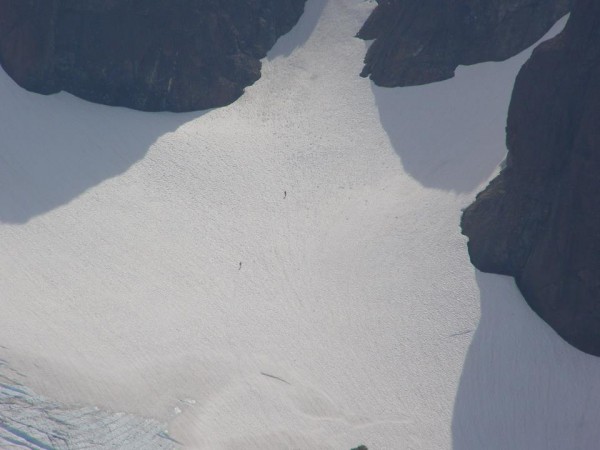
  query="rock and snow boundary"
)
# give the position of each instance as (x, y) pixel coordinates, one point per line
(354, 316)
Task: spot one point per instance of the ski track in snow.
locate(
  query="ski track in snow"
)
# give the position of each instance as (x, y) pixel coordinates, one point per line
(123, 232)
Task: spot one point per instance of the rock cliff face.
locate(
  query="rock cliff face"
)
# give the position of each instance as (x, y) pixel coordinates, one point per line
(176, 55)
(539, 220)
(422, 41)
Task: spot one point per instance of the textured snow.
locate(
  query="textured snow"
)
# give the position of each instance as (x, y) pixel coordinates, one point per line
(285, 272)
(28, 421)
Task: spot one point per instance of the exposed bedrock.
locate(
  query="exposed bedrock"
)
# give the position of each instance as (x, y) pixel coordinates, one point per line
(539, 220)
(422, 41)
(176, 55)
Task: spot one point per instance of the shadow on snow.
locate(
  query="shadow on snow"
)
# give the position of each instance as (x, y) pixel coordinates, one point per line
(56, 147)
(450, 135)
(523, 387)
(298, 36)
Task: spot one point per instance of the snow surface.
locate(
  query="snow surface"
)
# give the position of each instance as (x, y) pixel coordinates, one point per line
(28, 421)
(354, 316)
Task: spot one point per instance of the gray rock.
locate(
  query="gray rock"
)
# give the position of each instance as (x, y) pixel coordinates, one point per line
(177, 55)
(539, 220)
(422, 41)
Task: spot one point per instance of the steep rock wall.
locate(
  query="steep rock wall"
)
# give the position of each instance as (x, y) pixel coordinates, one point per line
(539, 220)
(176, 55)
(422, 41)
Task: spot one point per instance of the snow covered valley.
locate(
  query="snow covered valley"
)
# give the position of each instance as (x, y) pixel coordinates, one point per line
(284, 272)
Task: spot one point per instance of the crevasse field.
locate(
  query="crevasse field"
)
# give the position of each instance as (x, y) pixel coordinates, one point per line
(283, 273)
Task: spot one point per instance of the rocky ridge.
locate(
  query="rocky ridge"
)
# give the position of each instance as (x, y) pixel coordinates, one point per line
(150, 55)
(422, 41)
(539, 220)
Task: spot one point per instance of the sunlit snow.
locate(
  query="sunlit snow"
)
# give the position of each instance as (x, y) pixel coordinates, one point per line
(285, 272)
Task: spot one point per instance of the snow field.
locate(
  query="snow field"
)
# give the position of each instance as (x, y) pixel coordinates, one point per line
(355, 306)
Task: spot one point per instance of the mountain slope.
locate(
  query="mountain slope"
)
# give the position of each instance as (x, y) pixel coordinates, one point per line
(284, 272)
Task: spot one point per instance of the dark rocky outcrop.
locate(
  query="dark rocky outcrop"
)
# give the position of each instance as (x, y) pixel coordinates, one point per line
(176, 55)
(422, 41)
(539, 220)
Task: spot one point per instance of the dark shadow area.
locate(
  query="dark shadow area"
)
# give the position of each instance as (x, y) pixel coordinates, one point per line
(54, 148)
(522, 386)
(450, 135)
(298, 36)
